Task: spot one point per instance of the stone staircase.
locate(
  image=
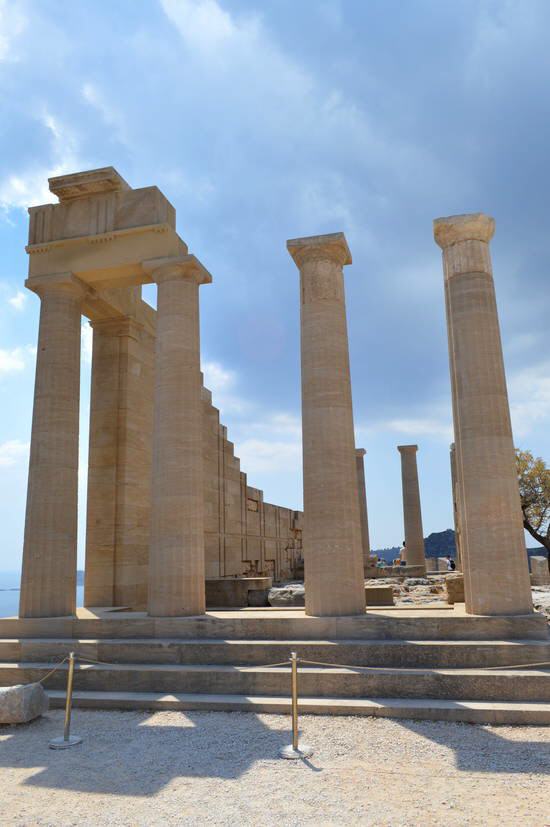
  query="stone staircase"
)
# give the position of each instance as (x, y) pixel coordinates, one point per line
(441, 671)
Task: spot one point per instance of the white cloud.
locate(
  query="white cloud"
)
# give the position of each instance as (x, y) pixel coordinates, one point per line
(203, 24)
(112, 116)
(529, 391)
(29, 187)
(217, 378)
(264, 441)
(19, 300)
(12, 452)
(12, 23)
(222, 381)
(438, 428)
(16, 359)
(264, 455)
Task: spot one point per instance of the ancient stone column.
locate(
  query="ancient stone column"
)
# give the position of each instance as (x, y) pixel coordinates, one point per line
(412, 512)
(176, 558)
(332, 527)
(48, 581)
(363, 512)
(119, 465)
(496, 574)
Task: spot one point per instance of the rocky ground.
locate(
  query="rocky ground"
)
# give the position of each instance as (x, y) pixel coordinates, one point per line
(414, 590)
(171, 768)
(407, 591)
(541, 599)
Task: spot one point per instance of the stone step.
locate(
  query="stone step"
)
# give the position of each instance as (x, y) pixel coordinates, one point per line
(389, 624)
(473, 712)
(446, 684)
(383, 653)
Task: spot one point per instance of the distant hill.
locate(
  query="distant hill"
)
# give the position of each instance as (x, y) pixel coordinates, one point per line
(442, 543)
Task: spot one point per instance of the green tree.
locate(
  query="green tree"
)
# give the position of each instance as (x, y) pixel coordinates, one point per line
(534, 489)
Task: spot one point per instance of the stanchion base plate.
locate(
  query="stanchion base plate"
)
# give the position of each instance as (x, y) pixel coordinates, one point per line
(290, 753)
(61, 743)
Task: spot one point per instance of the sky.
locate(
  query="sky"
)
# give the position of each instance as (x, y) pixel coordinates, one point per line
(267, 121)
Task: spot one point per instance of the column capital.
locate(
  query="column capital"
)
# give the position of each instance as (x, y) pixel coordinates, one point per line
(60, 282)
(177, 267)
(360, 452)
(407, 449)
(332, 246)
(471, 227)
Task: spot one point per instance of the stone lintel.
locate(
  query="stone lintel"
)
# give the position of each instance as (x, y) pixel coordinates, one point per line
(168, 269)
(407, 449)
(470, 227)
(83, 184)
(57, 281)
(121, 326)
(360, 452)
(331, 245)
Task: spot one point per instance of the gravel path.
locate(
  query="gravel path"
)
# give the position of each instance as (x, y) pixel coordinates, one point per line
(175, 768)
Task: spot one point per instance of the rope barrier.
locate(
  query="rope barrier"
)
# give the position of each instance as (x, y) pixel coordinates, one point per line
(56, 667)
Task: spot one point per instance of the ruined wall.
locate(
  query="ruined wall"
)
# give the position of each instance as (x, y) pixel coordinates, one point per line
(243, 533)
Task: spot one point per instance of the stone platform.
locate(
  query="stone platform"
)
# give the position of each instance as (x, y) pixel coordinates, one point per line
(430, 662)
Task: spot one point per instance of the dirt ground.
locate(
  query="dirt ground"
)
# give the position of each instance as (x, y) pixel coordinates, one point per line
(175, 768)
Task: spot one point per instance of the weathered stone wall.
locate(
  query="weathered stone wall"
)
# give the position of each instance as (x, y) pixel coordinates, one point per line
(243, 533)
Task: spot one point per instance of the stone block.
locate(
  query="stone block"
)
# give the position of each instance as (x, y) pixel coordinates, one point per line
(232, 592)
(293, 594)
(454, 584)
(19, 704)
(379, 596)
(540, 574)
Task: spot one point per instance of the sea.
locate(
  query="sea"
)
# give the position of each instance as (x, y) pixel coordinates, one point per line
(9, 593)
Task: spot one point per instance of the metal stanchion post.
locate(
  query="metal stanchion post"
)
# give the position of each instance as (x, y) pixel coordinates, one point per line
(295, 750)
(67, 740)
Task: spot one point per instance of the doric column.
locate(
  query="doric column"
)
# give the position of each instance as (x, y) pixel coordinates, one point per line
(496, 575)
(363, 511)
(176, 558)
(48, 582)
(456, 506)
(332, 528)
(119, 465)
(412, 512)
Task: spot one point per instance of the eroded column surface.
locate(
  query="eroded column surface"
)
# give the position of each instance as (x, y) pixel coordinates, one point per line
(412, 511)
(496, 576)
(48, 581)
(456, 504)
(176, 558)
(119, 465)
(332, 528)
(363, 511)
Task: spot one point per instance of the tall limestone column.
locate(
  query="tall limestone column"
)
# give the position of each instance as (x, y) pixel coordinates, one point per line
(332, 527)
(119, 465)
(176, 557)
(496, 575)
(363, 511)
(412, 512)
(48, 580)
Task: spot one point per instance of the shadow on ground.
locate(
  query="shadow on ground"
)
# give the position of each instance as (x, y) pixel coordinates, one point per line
(139, 758)
(489, 752)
